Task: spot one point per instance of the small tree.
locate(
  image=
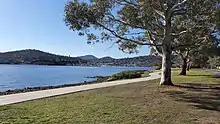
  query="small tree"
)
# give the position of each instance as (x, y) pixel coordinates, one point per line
(214, 61)
(133, 23)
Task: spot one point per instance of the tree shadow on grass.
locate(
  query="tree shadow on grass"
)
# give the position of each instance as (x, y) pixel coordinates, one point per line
(190, 75)
(207, 76)
(198, 86)
(201, 96)
(204, 76)
(216, 76)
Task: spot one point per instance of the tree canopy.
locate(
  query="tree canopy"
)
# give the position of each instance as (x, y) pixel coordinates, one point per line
(133, 23)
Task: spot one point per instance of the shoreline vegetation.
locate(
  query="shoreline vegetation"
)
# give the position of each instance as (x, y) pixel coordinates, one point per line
(97, 79)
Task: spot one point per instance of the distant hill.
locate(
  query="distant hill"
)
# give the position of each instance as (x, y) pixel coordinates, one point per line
(135, 61)
(88, 57)
(37, 57)
(106, 58)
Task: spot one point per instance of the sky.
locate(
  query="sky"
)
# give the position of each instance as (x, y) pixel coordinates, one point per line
(38, 24)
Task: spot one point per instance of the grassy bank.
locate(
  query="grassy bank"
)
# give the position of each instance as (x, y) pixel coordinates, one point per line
(195, 99)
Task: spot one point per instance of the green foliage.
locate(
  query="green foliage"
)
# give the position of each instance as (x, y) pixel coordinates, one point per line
(128, 75)
(214, 62)
(158, 66)
(138, 22)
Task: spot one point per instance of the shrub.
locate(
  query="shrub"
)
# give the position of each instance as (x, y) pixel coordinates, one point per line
(127, 75)
(158, 67)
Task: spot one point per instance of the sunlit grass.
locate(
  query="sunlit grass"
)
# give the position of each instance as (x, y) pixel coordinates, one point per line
(195, 76)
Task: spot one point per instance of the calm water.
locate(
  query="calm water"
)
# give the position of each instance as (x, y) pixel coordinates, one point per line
(21, 76)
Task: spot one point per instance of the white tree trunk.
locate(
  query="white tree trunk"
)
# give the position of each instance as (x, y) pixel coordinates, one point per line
(166, 48)
(166, 65)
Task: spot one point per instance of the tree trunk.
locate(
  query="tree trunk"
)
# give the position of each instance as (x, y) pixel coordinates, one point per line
(188, 67)
(166, 66)
(184, 67)
(166, 48)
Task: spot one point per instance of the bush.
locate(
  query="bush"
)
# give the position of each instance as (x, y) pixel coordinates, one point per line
(158, 67)
(127, 75)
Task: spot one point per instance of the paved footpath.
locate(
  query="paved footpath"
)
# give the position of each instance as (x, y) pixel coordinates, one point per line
(216, 72)
(22, 97)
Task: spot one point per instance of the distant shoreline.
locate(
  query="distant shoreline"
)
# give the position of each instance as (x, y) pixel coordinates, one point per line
(76, 65)
(37, 57)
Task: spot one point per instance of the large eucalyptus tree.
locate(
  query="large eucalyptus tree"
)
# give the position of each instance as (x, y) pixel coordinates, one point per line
(133, 23)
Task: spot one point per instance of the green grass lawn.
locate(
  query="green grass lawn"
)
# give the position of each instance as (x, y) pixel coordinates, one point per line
(194, 99)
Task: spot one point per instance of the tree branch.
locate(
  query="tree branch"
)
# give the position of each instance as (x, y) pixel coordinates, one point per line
(178, 5)
(152, 41)
(178, 34)
(124, 38)
(159, 13)
(138, 33)
(182, 12)
(128, 2)
(179, 53)
(112, 17)
(191, 45)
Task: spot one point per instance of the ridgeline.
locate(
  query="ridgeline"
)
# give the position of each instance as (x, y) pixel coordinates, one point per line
(37, 57)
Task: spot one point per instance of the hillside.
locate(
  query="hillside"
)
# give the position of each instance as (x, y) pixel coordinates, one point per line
(135, 61)
(37, 57)
(88, 57)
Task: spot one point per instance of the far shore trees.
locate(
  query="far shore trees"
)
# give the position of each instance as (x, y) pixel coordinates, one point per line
(134, 23)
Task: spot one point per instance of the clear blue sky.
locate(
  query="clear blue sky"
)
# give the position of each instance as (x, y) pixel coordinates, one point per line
(38, 24)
